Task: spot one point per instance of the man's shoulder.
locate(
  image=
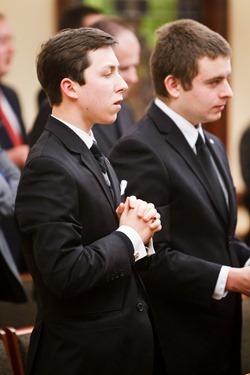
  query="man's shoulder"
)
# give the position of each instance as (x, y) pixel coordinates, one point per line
(9, 91)
(245, 135)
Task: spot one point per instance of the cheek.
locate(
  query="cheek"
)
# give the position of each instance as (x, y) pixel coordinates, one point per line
(200, 100)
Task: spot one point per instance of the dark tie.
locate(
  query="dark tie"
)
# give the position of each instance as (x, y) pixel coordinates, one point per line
(99, 156)
(205, 158)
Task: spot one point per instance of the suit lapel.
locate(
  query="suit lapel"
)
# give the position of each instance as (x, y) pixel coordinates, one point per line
(90, 162)
(78, 147)
(176, 139)
(115, 184)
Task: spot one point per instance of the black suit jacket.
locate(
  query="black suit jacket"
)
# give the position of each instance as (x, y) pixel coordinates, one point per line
(244, 153)
(91, 317)
(198, 334)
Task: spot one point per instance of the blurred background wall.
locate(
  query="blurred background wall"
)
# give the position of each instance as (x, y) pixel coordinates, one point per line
(34, 21)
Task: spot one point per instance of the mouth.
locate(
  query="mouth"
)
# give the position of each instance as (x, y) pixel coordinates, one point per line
(221, 107)
(118, 102)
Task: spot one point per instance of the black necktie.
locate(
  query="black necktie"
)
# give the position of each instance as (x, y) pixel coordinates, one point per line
(204, 157)
(100, 158)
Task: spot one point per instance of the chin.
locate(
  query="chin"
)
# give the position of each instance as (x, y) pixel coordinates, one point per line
(108, 121)
(213, 118)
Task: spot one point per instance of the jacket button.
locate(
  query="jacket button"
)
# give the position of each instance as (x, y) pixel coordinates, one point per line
(139, 306)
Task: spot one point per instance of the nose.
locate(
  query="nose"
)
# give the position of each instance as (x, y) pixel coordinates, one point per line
(121, 84)
(132, 76)
(227, 92)
(9, 46)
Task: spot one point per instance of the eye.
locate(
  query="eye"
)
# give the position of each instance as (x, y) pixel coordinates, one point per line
(123, 68)
(215, 82)
(107, 74)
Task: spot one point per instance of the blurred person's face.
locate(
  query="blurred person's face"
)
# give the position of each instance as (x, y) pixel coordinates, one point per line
(6, 47)
(87, 21)
(128, 54)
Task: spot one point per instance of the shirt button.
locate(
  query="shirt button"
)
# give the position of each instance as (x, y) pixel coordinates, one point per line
(139, 306)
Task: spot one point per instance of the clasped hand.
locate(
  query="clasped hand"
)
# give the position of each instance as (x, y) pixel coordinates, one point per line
(141, 216)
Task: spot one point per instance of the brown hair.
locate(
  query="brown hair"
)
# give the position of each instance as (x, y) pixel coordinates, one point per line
(65, 55)
(179, 47)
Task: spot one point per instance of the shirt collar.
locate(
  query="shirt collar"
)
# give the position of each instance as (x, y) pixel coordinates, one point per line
(85, 137)
(189, 131)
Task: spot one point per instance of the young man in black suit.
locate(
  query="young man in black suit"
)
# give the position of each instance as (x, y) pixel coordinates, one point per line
(196, 278)
(79, 241)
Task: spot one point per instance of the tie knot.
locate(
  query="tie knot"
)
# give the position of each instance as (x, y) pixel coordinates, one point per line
(99, 156)
(96, 150)
(199, 142)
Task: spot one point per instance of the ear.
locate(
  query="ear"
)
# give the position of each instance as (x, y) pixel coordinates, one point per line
(69, 88)
(172, 85)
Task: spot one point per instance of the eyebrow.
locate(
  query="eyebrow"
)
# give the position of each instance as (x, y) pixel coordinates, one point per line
(219, 77)
(111, 66)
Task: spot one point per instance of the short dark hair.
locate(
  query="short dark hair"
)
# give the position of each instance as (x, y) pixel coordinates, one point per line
(179, 47)
(73, 17)
(65, 55)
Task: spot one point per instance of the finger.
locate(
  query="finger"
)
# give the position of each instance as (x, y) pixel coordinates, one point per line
(141, 208)
(120, 209)
(132, 200)
(156, 225)
(152, 214)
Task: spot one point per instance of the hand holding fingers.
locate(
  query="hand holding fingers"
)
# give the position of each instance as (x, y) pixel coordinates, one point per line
(120, 209)
(141, 216)
(129, 203)
(132, 201)
(155, 225)
(141, 208)
(150, 213)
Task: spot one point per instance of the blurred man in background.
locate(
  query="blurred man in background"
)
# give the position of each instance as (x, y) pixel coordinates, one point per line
(12, 129)
(128, 54)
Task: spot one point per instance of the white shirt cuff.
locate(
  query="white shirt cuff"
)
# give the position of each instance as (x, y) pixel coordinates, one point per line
(247, 263)
(219, 291)
(140, 251)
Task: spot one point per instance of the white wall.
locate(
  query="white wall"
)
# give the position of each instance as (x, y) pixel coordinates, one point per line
(32, 22)
(239, 108)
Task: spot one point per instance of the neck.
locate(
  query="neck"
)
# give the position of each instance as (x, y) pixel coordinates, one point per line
(71, 116)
